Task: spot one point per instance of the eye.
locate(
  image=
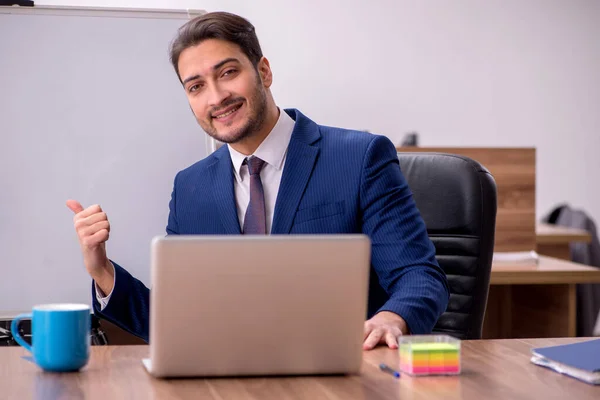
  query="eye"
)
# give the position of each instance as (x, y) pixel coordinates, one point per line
(194, 88)
(229, 72)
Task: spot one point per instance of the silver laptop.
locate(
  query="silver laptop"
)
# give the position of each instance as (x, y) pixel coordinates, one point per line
(258, 305)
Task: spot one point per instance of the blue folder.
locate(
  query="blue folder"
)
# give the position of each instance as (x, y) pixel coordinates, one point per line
(578, 360)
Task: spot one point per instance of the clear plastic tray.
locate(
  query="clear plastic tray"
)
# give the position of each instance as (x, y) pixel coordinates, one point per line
(429, 355)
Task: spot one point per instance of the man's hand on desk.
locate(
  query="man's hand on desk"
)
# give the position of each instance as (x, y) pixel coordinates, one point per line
(93, 229)
(384, 328)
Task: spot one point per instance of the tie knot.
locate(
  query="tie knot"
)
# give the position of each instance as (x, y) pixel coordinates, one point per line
(255, 164)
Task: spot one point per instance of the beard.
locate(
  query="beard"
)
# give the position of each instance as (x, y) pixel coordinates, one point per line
(255, 120)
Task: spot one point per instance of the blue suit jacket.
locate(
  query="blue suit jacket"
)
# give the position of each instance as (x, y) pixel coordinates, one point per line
(334, 181)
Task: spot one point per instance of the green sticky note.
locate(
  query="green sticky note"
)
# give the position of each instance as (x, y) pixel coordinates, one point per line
(433, 347)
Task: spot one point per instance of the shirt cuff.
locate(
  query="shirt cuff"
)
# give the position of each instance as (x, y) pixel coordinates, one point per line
(104, 300)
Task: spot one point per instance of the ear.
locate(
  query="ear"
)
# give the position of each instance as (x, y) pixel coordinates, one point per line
(264, 70)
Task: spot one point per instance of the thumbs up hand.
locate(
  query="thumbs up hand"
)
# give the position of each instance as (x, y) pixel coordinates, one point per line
(93, 228)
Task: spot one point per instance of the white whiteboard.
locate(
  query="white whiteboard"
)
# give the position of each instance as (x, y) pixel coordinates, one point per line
(90, 109)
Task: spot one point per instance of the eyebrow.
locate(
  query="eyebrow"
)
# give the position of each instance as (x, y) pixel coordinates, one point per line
(215, 67)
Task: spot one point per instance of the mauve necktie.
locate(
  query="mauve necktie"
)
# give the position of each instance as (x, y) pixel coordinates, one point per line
(255, 222)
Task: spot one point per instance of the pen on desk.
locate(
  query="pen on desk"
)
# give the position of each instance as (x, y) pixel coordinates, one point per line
(389, 370)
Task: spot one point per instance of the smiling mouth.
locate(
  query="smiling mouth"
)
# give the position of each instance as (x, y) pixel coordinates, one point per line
(227, 113)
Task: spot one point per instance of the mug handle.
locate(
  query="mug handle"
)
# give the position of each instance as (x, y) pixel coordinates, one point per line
(14, 330)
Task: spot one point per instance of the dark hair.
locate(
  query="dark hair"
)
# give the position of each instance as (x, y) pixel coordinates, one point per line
(216, 25)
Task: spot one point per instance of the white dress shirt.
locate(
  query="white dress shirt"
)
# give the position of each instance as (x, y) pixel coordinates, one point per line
(272, 151)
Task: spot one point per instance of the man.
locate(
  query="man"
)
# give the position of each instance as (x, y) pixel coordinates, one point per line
(279, 173)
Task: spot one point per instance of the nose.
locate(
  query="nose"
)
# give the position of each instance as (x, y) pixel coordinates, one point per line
(217, 95)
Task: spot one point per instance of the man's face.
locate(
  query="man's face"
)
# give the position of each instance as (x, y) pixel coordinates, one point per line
(227, 94)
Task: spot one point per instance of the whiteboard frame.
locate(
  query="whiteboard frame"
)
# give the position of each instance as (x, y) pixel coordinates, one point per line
(114, 12)
(76, 282)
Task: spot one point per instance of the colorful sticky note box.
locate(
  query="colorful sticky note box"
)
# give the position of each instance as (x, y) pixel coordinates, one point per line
(429, 355)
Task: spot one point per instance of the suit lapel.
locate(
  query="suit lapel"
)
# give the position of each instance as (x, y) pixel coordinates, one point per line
(299, 164)
(222, 175)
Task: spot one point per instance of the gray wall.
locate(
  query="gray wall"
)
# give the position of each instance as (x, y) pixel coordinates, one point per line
(461, 72)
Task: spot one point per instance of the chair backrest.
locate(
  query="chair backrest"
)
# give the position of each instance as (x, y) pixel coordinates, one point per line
(457, 199)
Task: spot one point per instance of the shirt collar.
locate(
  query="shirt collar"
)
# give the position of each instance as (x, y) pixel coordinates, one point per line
(272, 150)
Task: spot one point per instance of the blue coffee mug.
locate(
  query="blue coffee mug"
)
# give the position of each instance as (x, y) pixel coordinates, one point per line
(60, 336)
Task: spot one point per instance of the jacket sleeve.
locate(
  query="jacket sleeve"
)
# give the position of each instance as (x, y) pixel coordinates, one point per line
(403, 256)
(129, 304)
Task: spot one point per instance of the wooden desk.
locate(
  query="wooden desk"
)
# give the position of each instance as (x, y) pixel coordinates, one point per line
(497, 369)
(549, 271)
(535, 301)
(554, 241)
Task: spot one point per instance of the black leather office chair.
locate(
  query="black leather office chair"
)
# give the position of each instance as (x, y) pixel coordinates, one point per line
(457, 199)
